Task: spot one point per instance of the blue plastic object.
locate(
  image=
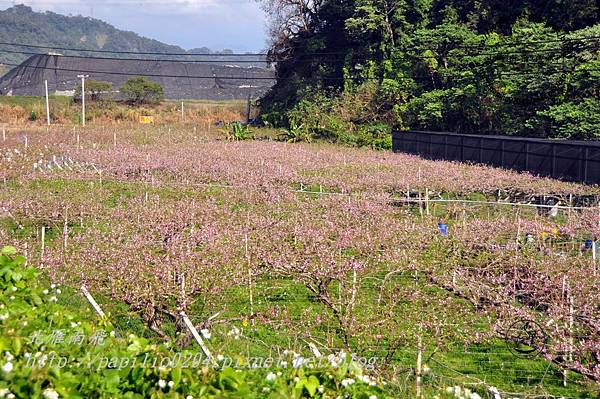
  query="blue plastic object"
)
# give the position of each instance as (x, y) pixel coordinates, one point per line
(443, 228)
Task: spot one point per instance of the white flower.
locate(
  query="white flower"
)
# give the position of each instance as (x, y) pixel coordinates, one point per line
(50, 394)
(266, 389)
(235, 332)
(296, 379)
(189, 397)
(162, 383)
(475, 395)
(297, 362)
(494, 391)
(12, 297)
(58, 291)
(4, 392)
(8, 367)
(53, 299)
(45, 292)
(10, 396)
(205, 333)
(372, 397)
(271, 377)
(347, 382)
(3, 316)
(53, 286)
(220, 358)
(171, 384)
(365, 378)
(9, 357)
(14, 289)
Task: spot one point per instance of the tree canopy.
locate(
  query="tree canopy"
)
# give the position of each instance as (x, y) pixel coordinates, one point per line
(141, 90)
(475, 66)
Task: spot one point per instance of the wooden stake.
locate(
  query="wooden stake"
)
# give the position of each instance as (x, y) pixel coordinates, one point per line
(3, 134)
(115, 139)
(427, 201)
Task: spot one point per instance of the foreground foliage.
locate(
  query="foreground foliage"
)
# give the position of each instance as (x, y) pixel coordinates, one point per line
(94, 366)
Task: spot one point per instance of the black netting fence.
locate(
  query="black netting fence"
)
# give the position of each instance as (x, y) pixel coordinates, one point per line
(565, 159)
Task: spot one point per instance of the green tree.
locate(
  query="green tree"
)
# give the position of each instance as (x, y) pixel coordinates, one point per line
(95, 90)
(141, 90)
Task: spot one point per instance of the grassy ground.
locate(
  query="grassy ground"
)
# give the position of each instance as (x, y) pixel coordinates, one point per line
(277, 313)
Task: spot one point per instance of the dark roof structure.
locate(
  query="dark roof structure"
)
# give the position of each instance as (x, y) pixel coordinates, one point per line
(181, 80)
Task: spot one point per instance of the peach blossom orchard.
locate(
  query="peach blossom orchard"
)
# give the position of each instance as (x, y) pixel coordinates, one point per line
(299, 243)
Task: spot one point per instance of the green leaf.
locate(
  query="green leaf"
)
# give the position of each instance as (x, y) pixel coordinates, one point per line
(311, 385)
(17, 345)
(176, 375)
(9, 251)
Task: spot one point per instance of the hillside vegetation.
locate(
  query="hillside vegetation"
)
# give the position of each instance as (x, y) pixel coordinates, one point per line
(353, 69)
(20, 24)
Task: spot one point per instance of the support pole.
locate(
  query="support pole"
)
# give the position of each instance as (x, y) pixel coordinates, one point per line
(47, 103)
(197, 337)
(82, 98)
(419, 372)
(92, 301)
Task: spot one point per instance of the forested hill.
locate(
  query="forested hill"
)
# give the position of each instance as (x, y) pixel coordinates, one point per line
(20, 24)
(352, 69)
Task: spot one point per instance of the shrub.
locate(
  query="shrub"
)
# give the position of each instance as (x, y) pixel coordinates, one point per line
(95, 90)
(238, 132)
(33, 115)
(141, 90)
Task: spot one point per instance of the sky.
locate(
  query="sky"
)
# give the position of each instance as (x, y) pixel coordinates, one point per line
(238, 25)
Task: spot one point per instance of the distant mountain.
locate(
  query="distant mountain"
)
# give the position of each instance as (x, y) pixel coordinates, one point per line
(20, 24)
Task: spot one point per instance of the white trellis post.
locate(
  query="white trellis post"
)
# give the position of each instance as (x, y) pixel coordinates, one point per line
(419, 372)
(196, 336)
(47, 103)
(92, 301)
(43, 245)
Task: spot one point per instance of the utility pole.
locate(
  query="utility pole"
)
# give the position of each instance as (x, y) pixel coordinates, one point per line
(249, 105)
(47, 103)
(83, 97)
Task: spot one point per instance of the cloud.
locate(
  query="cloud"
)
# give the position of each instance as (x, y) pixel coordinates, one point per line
(185, 7)
(217, 24)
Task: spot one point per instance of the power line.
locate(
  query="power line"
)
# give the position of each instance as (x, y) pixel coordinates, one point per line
(142, 74)
(131, 52)
(133, 59)
(261, 78)
(404, 48)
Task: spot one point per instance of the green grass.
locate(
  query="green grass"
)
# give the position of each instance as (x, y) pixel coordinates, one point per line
(286, 310)
(31, 101)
